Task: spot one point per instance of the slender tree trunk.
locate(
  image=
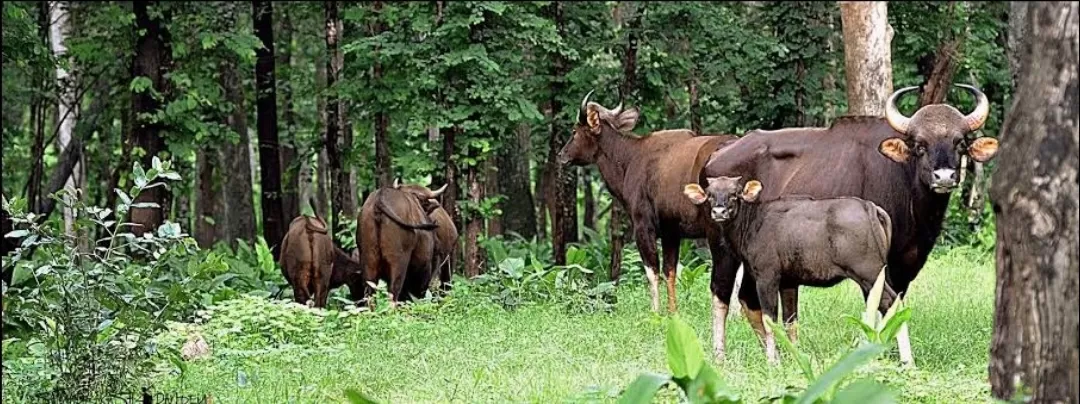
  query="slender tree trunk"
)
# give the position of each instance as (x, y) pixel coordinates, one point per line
(450, 196)
(338, 140)
(322, 172)
(518, 209)
(66, 107)
(383, 170)
(695, 102)
(939, 67)
(1036, 327)
(542, 204)
(564, 229)
(474, 226)
(867, 56)
(153, 59)
(266, 105)
(37, 117)
(589, 221)
(829, 81)
(617, 221)
(290, 164)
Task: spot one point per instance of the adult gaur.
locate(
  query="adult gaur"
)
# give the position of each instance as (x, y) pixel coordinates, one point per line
(907, 166)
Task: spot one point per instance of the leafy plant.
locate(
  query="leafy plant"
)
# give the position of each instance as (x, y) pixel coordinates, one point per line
(91, 312)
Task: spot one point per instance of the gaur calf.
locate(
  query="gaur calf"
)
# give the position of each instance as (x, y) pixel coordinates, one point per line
(314, 266)
(798, 240)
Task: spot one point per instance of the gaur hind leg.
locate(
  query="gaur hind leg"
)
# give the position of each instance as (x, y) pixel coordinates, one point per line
(768, 290)
(725, 268)
(671, 246)
(645, 238)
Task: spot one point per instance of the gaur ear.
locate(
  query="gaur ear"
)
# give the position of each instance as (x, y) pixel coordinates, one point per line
(751, 190)
(695, 193)
(895, 149)
(592, 115)
(983, 149)
(626, 120)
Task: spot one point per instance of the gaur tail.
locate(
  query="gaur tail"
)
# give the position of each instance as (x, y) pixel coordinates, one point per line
(381, 204)
(884, 233)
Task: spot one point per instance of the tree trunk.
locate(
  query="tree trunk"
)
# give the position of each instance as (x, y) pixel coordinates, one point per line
(589, 221)
(210, 213)
(450, 196)
(867, 56)
(829, 81)
(37, 118)
(1018, 30)
(1035, 338)
(617, 221)
(266, 105)
(542, 198)
(474, 226)
(939, 67)
(564, 229)
(153, 59)
(290, 164)
(492, 184)
(695, 102)
(66, 107)
(336, 143)
(383, 170)
(322, 166)
(236, 211)
(518, 210)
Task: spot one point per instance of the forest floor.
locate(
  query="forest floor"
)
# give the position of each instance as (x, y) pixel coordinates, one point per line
(465, 350)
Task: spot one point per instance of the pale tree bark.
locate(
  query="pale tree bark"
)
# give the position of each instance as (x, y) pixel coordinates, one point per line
(1017, 31)
(66, 108)
(867, 56)
(474, 225)
(1035, 339)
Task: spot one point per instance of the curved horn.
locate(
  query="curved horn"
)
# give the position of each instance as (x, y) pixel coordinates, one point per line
(397, 182)
(977, 117)
(437, 192)
(618, 109)
(898, 121)
(584, 105)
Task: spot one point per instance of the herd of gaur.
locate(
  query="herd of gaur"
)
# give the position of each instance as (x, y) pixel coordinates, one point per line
(793, 207)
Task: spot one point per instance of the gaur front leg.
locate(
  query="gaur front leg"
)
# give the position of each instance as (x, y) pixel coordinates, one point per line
(768, 289)
(751, 304)
(725, 268)
(671, 264)
(789, 297)
(645, 238)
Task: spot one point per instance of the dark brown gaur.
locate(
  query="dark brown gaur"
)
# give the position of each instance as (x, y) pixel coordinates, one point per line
(313, 265)
(907, 166)
(645, 174)
(798, 241)
(396, 241)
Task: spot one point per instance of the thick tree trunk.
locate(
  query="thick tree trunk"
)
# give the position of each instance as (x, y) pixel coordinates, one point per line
(236, 212)
(829, 81)
(518, 210)
(1018, 30)
(474, 226)
(210, 213)
(618, 231)
(34, 196)
(1035, 338)
(867, 56)
(290, 164)
(542, 200)
(66, 107)
(322, 161)
(153, 59)
(695, 102)
(266, 105)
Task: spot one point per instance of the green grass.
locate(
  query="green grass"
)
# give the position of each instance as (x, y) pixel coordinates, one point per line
(463, 350)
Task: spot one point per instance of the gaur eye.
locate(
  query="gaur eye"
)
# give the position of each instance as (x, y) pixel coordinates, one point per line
(920, 150)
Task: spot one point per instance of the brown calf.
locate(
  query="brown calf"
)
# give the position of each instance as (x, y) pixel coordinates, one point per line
(313, 265)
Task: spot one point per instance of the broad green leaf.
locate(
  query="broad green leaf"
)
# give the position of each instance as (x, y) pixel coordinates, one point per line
(865, 392)
(644, 388)
(356, 397)
(684, 353)
(893, 325)
(708, 388)
(838, 371)
(869, 332)
(873, 300)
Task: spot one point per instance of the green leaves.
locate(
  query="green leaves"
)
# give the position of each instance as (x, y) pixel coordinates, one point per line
(644, 388)
(839, 371)
(356, 397)
(698, 380)
(684, 353)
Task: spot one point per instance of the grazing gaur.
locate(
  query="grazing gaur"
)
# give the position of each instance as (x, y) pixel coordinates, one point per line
(796, 241)
(645, 174)
(907, 166)
(314, 266)
(446, 235)
(396, 240)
